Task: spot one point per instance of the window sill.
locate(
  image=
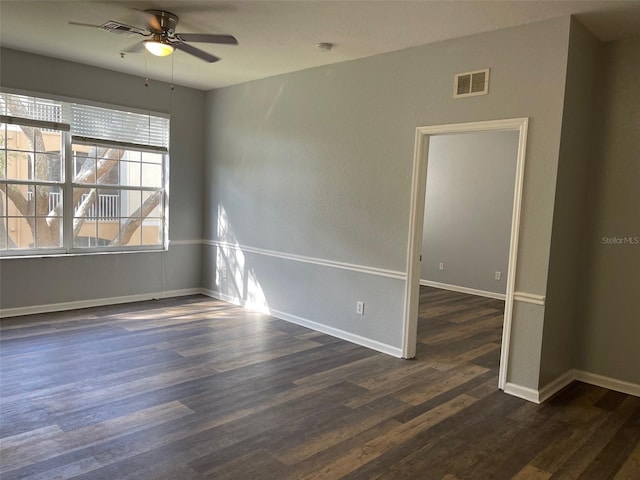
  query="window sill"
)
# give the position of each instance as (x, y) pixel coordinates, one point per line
(77, 254)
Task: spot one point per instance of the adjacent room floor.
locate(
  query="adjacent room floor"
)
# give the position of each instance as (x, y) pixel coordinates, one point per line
(194, 388)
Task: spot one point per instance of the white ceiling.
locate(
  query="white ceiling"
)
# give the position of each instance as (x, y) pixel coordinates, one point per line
(280, 36)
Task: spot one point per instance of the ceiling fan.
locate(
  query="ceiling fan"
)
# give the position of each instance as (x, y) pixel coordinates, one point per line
(162, 37)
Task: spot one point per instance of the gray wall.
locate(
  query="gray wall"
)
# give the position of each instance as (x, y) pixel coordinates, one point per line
(468, 208)
(317, 164)
(570, 212)
(308, 175)
(608, 326)
(41, 281)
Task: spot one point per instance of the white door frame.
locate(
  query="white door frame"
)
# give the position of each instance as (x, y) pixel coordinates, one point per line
(416, 219)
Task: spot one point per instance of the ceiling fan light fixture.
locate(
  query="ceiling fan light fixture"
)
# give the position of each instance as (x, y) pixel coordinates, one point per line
(159, 49)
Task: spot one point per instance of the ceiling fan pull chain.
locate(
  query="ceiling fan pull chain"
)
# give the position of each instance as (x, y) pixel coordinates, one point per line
(146, 89)
(172, 88)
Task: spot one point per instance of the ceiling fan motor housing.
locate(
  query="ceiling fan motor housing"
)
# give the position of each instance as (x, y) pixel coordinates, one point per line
(166, 21)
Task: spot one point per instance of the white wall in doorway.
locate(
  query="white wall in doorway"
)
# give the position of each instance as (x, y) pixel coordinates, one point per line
(469, 201)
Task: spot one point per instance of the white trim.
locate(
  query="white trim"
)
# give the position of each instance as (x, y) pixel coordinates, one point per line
(380, 272)
(607, 382)
(550, 389)
(416, 214)
(532, 298)
(414, 245)
(525, 393)
(457, 288)
(185, 242)
(319, 327)
(96, 302)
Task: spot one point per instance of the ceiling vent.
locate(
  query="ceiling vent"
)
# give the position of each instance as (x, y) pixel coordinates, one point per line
(470, 84)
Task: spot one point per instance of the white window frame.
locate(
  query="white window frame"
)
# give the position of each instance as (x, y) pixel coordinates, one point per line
(68, 183)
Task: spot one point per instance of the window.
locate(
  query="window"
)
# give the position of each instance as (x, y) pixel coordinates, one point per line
(77, 178)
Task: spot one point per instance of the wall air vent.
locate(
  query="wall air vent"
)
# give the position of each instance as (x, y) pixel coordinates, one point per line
(470, 84)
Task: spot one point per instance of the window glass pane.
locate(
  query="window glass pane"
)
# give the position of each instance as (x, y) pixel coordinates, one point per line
(4, 243)
(150, 157)
(3, 203)
(19, 165)
(152, 231)
(48, 200)
(109, 174)
(85, 199)
(19, 139)
(86, 232)
(131, 201)
(48, 167)
(130, 174)
(108, 159)
(51, 141)
(132, 156)
(131, 233)
(3, 221)
(20, 232)
(151, 175)
(21, 201)
(84, 169)
(108, 230)
(154, 201)
(48, 232)
(3, 153)
(108, 204)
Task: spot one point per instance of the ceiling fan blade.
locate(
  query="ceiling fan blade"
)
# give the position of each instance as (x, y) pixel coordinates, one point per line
(135, 48)
(80, 24)
(207, 38)
(196, 52)
(122, 29)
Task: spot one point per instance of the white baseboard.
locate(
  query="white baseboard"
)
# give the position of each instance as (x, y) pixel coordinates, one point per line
(550, 389)
(319, 327)
(457, 288)
(96, 302)
(608, 382)
(525, 393)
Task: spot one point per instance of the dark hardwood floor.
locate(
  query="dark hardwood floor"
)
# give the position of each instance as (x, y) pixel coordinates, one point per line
(194, 388)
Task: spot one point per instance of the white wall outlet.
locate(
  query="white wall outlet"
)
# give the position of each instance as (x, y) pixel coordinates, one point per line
(224, 273)
(441, 266)
(498, 275)
(360, 308)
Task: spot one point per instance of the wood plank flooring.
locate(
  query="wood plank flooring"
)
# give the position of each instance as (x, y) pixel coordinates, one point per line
(194, 388)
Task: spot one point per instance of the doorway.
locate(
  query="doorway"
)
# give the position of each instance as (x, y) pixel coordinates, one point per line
(417, 209)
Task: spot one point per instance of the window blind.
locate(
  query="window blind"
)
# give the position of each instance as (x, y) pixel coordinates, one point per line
(119, 126)
(32, 108)
(89, 121)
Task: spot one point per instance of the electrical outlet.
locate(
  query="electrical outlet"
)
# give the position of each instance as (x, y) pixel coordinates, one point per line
(360, 308)
(224, 273)
(498, 275)
(441, 266)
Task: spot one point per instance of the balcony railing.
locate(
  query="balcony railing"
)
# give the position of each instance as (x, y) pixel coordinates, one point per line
(106, 208)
